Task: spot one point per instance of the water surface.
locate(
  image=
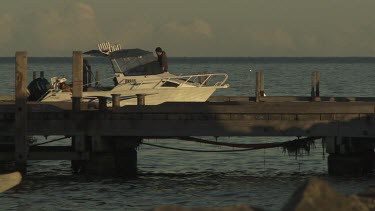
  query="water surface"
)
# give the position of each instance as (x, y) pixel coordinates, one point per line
(263, 178)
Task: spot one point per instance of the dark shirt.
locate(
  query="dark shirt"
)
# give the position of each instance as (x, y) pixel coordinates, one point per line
(86, 75)
(163, 61)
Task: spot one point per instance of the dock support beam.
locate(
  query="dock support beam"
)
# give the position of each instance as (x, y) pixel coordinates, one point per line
(350, 156)
(21, 141)
(113, 155)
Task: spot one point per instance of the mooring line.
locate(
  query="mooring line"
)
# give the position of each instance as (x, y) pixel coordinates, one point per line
(194, 150)
(46, 142)
(237, 145)
(289, 145)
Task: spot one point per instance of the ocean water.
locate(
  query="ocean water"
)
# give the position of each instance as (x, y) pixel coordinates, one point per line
(262, 178)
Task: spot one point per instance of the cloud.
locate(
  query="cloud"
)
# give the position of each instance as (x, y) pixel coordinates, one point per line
(178, 38)
(289, 40)
(132, 33)
(194, 38)
(74, 26)
(58, 30)
(197, 29)
(255, 41)
(6, 33)
(275, 38)
(83, 11)
(5, 28)
(55, 31)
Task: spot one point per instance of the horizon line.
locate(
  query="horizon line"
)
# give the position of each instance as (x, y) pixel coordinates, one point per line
(214, 57)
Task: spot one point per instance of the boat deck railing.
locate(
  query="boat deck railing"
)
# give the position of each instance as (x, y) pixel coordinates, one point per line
(198, 80)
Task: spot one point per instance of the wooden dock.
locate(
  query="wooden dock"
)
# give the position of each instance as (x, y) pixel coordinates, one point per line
(243, 118)
(95, 128)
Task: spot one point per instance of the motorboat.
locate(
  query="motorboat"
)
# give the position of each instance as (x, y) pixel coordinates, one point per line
(136, 71)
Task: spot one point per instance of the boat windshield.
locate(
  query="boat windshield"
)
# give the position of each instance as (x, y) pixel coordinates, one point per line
(141, 65)
(132, 62)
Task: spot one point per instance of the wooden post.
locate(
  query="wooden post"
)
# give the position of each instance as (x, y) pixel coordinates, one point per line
(313, 86)
(77, 74)
(96, 78)
(102, 103)
(116, 100)
(141, 99)
(21, 142)
(317, 83)
(78, 141)
(261, 83)
(77, 80)
(76, 104)
(34, 75)
(257, 84)
(41, 74)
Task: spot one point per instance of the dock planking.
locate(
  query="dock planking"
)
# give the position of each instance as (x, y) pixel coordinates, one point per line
(199, 119)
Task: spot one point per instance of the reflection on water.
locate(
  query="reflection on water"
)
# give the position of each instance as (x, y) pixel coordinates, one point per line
(263, 178)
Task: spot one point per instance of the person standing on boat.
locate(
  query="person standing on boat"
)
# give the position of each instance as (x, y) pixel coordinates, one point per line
(162, 59)
(86, 74)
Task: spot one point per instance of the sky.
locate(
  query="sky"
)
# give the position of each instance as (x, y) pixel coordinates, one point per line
(191, 28)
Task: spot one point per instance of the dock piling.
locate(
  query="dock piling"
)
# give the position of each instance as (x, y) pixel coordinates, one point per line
(77, 80)
(116, 100)
(313, 78)
(102, 103)
(257, 86)
(77, 74)
(78, 141)
(317, 83)
(261, 83)
(76, 104)
(41, 74)
(21, 142)
(34, 75)
(141, 99)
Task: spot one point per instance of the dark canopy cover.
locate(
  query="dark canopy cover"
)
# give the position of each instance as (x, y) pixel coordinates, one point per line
(123, 53)
(131, 61)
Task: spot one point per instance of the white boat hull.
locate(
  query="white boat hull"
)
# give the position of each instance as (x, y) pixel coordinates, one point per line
(153, 96)
(8, 181)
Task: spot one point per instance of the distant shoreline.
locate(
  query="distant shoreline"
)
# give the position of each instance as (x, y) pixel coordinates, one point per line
(244, 57)
(217, 59)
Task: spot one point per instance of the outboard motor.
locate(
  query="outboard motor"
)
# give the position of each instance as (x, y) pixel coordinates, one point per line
(38, 88)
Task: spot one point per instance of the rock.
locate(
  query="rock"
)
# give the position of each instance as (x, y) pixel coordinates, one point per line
(369, 202)
(8, 181)
(230, 208)
(367, 198)
(370, 191)
(317, 194)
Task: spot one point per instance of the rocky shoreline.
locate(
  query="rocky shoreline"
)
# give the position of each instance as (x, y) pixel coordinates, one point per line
(315, 194)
